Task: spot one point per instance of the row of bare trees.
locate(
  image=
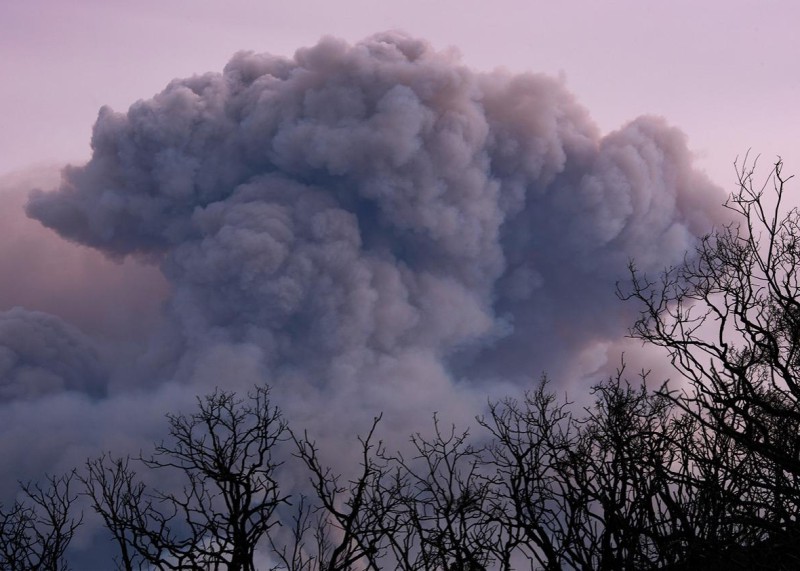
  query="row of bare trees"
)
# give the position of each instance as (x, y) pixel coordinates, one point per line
(631, 483)
(701, 475)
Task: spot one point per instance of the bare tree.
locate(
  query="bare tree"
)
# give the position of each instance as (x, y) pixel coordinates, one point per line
(427, 511)
(350, 519)
(36, 530)
(729, 317)
(225, 454)
(122, 501)
(633, 482)
(596, 490)
(532, 444)
(444, 495)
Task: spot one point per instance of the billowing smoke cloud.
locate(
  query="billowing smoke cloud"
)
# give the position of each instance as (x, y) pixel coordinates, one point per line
(377, 227)
(380, 201)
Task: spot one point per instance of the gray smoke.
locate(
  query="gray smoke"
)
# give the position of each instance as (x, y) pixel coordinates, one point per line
(40, 354)
(380, 201)
(376, 227)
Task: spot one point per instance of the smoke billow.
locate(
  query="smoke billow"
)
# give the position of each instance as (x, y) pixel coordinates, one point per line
(377, 227)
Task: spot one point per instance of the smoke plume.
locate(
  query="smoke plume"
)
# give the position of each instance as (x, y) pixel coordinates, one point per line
(370, 227)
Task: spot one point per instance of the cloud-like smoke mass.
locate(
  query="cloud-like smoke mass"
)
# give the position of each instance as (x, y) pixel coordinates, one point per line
(41, 354)
(366, 227)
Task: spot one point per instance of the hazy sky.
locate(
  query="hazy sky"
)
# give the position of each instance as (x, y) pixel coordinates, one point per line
(724, 72)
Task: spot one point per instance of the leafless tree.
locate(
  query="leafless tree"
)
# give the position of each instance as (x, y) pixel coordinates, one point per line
(349, 519)
(444, 495)
(424, 511)
(37, 529)
(588, 491)
(225, 454)
(729, 317)
(532, 442)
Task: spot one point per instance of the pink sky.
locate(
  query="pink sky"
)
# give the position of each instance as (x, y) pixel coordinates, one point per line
(724, 72)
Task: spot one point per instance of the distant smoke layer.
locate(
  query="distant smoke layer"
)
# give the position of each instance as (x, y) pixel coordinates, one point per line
(38, 269)
(40, 354)
(375, 227)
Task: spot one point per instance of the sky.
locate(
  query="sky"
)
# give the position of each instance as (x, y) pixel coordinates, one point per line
(400, 208)
(724, 72)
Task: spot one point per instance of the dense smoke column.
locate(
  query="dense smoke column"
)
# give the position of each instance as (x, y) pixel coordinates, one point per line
(378, 219)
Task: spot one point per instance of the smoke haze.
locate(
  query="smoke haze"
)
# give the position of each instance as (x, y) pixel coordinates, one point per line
(369, 227)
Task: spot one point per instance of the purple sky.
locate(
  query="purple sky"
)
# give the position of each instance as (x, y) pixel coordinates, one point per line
(724, 72)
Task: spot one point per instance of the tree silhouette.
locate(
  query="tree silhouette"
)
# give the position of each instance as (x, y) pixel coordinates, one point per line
(224, 453)
(729, 317)
(36, 530)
